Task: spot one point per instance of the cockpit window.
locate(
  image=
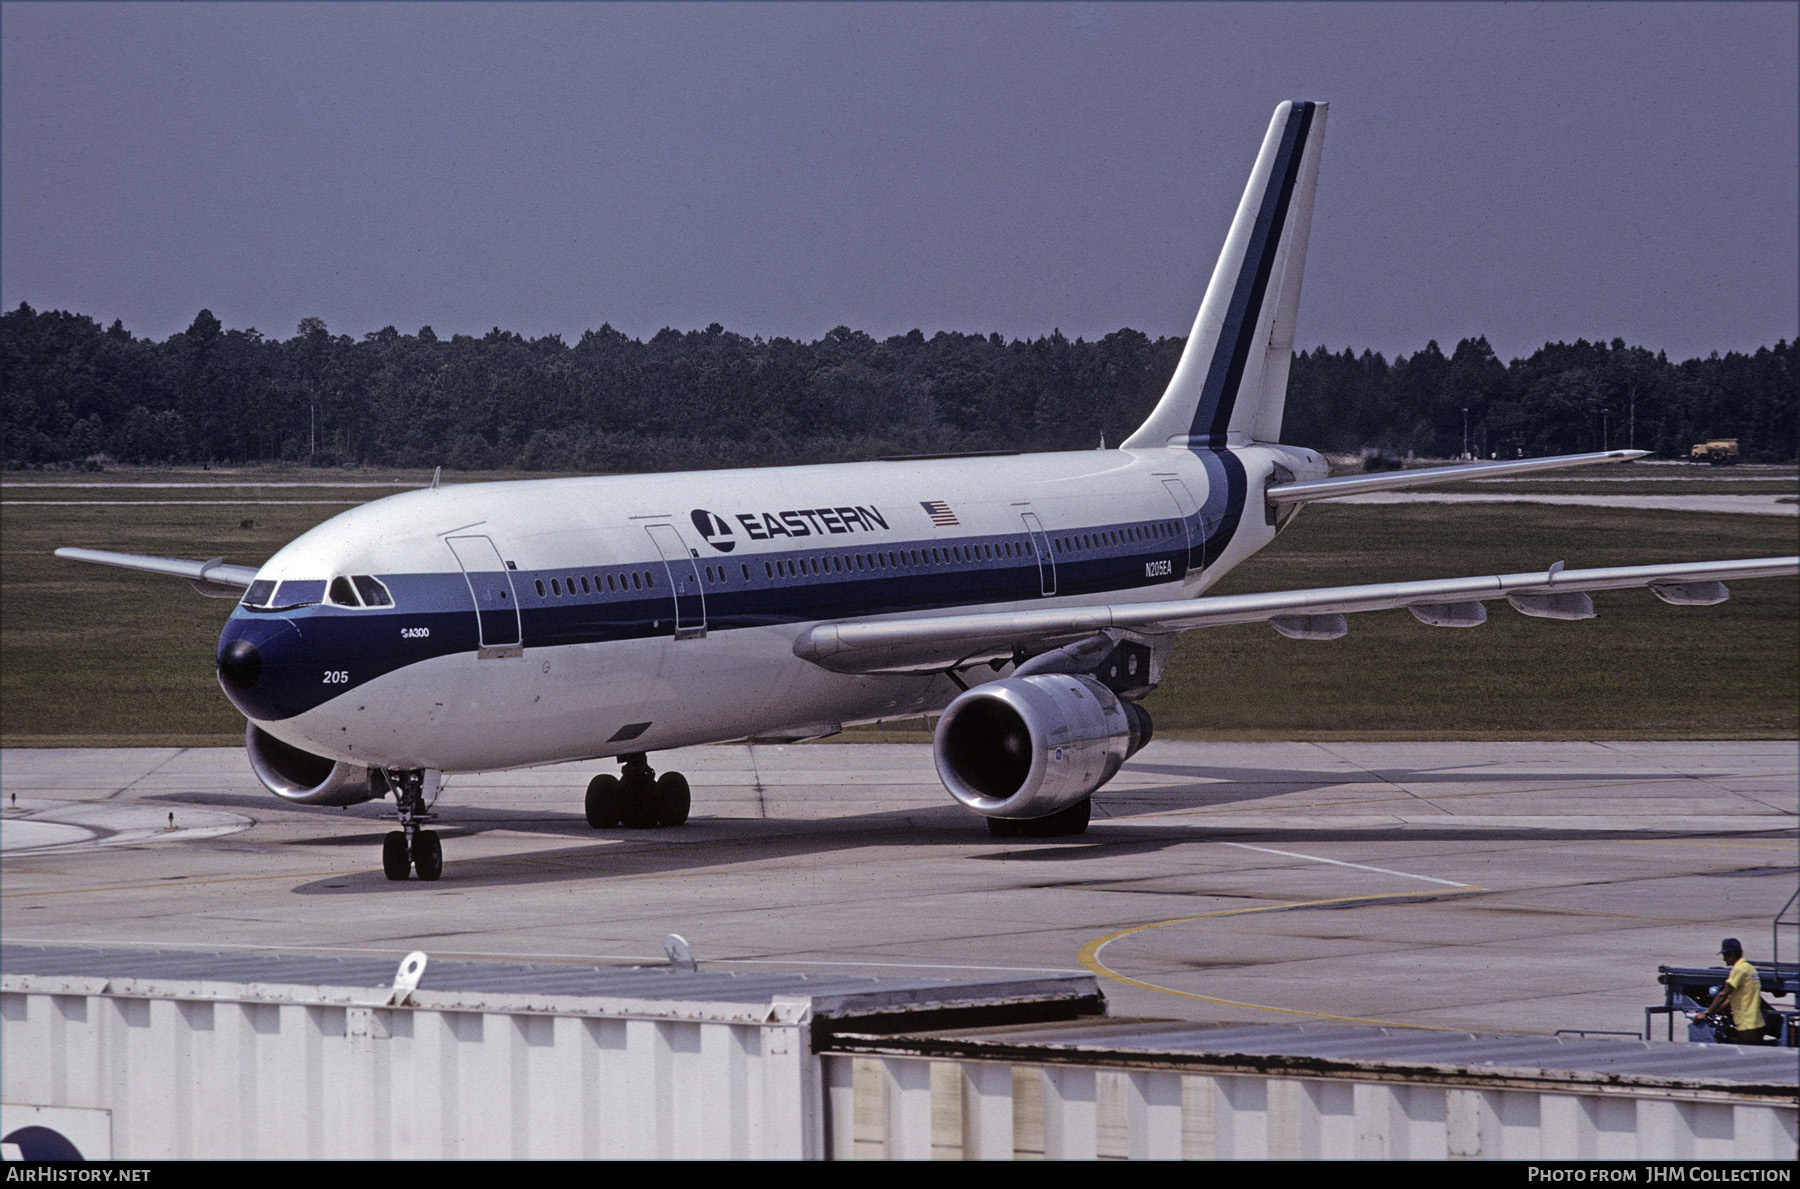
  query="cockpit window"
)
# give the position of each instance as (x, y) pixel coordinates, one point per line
(343, 594)
(298, 594)
(374, 594)
(259, 592)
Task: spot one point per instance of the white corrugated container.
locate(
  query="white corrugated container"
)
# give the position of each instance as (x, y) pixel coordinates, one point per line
(1095, 1090)
(901, 1108)
(668, 1065)
(222, 1070)
(135, 1056)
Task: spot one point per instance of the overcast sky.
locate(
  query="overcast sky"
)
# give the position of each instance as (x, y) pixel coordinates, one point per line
(1528, 172)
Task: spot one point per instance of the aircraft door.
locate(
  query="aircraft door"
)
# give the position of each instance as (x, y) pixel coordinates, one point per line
(1046, 558)
(491, 588)
(684, 580)
(1185, 505)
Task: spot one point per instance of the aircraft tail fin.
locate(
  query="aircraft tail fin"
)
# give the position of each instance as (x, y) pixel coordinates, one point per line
(1231, 383)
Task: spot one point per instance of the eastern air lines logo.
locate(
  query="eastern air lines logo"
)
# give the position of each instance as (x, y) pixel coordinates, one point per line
(714, 529)
(794, 522)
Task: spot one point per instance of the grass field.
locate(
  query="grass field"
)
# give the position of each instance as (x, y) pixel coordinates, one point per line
(93, 656)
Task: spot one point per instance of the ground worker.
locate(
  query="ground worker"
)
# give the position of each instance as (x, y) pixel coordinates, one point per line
(1743, 993)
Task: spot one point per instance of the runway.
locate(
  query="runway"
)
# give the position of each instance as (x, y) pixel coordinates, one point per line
(1520, 887)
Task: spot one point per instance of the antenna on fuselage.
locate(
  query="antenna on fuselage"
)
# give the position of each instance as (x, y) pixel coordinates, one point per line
(436, 474)
(1102, 441)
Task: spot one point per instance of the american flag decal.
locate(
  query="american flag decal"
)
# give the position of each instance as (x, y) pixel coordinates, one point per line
(940, 513)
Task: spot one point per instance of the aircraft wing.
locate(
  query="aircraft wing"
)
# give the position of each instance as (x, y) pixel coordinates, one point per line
(912, 645)
(212, 578)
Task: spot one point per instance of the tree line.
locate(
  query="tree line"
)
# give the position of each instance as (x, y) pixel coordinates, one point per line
(75, 393)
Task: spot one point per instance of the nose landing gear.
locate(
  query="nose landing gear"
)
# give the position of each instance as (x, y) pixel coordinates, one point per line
(409, 847)
(637, 797)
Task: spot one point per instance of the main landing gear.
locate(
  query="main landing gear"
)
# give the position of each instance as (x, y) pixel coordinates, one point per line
(1073, 820)
(637, 797)
(409, 848)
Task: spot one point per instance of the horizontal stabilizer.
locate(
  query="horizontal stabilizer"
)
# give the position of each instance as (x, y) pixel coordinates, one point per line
(1324, 489)
(212, 573)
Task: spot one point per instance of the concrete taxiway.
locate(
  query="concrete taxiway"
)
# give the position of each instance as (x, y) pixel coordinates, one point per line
(1521, 887)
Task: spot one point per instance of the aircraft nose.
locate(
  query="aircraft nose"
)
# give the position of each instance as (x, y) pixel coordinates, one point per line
(240, 664)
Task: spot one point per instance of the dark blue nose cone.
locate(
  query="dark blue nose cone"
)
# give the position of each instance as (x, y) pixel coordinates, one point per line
(240, 664)
(266, 668)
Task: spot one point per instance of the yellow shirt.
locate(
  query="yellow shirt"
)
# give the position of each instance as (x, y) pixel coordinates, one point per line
(1746, 996)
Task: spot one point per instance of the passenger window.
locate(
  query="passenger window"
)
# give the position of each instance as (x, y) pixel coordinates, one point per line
(540, 587)
(342, 593)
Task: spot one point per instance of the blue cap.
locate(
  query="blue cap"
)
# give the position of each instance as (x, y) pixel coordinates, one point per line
(1730, 946)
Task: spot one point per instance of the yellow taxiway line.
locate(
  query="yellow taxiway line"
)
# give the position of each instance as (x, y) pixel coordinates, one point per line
(1090, 956)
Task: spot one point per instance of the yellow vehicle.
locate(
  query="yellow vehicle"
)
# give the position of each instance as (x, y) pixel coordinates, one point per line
(1718, 451)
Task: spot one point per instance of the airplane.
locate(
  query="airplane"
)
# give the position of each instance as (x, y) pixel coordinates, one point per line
(1031, 600)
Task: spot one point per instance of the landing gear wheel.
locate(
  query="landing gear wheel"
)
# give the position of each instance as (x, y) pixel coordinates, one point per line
(395, 863)
(1073, 820)
(409, 847)
(428, 855)
(637, 804)
(603, 801)
(672, 799)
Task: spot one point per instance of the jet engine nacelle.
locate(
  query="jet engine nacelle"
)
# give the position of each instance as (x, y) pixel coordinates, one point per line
(1027, 747)
(307, 779)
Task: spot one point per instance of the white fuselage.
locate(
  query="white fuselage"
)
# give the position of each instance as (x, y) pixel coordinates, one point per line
(700, 648)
